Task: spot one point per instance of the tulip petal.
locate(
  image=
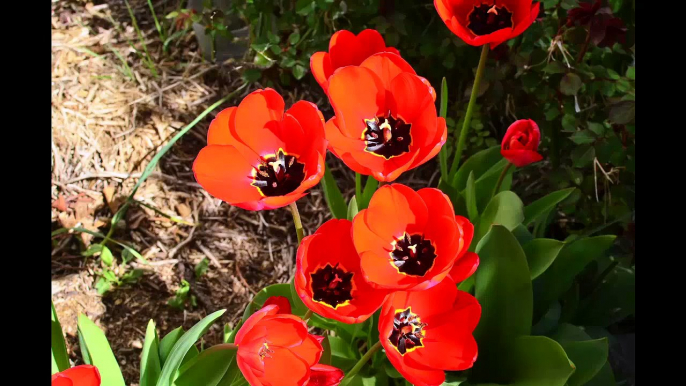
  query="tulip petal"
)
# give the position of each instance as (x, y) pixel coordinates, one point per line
(226, 174)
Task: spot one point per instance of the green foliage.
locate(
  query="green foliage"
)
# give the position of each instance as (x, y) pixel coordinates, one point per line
(99, 352)
(183, 297)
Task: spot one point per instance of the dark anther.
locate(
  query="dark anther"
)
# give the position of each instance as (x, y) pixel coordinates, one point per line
(332, 285)
(278, 175)
(413, 255)
(387, 136)
(486, 19)
(407, 331)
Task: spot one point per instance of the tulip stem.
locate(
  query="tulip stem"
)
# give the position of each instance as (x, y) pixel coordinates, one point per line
(308, 315)
(363, 361)
(501, 178)
(226, 346)
(296, 220)
(470, 109)
(358, 186)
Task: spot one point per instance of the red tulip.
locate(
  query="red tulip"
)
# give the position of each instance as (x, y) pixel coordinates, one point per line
(83, 375)
(260, 157)
(427, 332)
(346, 49)
(324, 375)
(386, 121)
(409, 240)
(328, 278)
(480, 22)
(464, 267)
(276, 349)
(521, 142)
(281, 301)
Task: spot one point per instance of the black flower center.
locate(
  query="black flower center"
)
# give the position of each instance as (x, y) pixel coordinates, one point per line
(486, 19)
(278, 175)
(332, 286)
(387, 136)
(407, 331)
(413, 255)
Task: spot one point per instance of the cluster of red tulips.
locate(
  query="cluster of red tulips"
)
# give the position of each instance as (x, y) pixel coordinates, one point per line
(406, 251)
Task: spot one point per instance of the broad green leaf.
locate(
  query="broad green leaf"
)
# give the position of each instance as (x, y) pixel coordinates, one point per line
(503, 288)
(549, 321)
(543, 205)
(342, 355)
(84, 351)
(570, 262)
(613, 300)
(486, 183)
(589, 355)
(538, 361)
(369, 188)
(178, 352)
(150, 358)
(479, 163)
(540, 254)
(604, 377)
(352, 208)
(333, 196)
(470, 198)
(208, 368)
(60, 358)
(233, 374)
(168, 342)
(100, 352)
(106, 256)
(570, 84)
(522, 234)
(505, 209)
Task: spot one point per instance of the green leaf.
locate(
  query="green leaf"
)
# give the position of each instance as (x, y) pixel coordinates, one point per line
(208, 368)
(604, 377)
(583, 156)
(538, 361)
(582, 137)
(304, 7)
(100, 353)
(294, 38)
(150, 358)
(522, 234)
(84, 351)
(470, 198)
(369, 188)
(623, 112)
(554, 67)
(541, 206)
(486, 183)
(92, 250)
(181, 347)
(549, 321)
(342, 356)
(168, 342)
(612, 74)
(60, 358)
(540, 254)
(479, 163)
(352, 208)
(202, 267)
(589, 355)
(106, 256)
(613, 300)
(569, 263)
(505, 209)
(570, 84)
(333, 196)
(299, 71)
(326, 353)
(631, 73)
(503, 288)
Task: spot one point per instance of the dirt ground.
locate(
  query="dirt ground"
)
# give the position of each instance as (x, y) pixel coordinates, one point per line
(106, 126)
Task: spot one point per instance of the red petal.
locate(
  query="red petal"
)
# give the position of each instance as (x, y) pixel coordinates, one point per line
(521, 158)
(226, 174)
(324, 375)
(219, 132)
(464, 267)
(257, 121)
(320, 64)
(387, 66)
(83, 375)
(282, 367)
(281, 302)
(351, 106)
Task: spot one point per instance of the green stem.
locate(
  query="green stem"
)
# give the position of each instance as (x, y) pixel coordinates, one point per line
(358, 186)
(226, 346)
(501, 178)
(296, 220)
(308, 314)
(470, 109)
(363, 361)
